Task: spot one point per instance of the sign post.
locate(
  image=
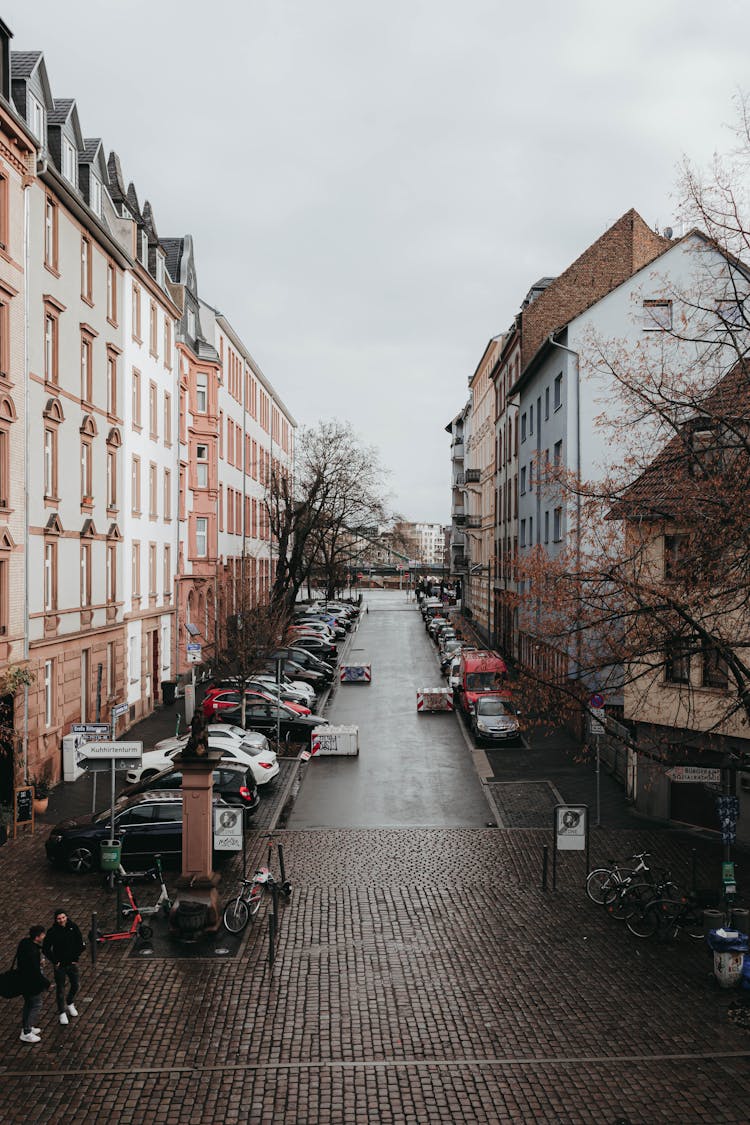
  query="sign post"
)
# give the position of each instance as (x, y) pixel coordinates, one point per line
(571, 833)
(111, 753)
(596, 725)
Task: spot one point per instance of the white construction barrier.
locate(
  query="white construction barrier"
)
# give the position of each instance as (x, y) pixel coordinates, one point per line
(339, 741)
(434, 699)
(355, 673)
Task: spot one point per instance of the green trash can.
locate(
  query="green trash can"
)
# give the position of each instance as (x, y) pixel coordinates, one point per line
(109, 856)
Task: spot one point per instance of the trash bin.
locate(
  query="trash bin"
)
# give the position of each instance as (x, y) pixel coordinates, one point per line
(168, 689)
(729, 948)
(741, 920)
(110, 855)
(712, 919)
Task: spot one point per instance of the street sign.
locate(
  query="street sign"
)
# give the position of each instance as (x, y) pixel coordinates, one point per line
(694, 773)
(596, 701)
(596, 719)
(108, 750)
(570, 827)
(193, 652)
(228, 829)
(104, 765)
(90, 728)
(120, 709)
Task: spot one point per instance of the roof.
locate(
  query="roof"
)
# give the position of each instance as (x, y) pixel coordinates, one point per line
(23, 63)
(173, 248)
(91, 145)
(60, 111)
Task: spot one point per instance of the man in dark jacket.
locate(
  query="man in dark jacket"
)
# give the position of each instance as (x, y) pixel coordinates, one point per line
(33, 981)
(63, 946)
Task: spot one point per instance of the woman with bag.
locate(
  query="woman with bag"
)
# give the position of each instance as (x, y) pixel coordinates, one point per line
(33, 981)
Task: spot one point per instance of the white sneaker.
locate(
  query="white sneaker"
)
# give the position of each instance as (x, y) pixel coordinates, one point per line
(63, 1017)
(36, 1030)
(29, 1037)
(72, 1010)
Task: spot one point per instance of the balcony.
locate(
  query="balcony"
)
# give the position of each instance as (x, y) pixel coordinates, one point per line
(457, 451)
(459, 519)
(460, 562)
(473, 476)
(473, 521)
(459, 479)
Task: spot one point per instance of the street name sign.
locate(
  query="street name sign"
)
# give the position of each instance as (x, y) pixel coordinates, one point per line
(90, 728)
(120, 709)
(114, 750)
(694, 773)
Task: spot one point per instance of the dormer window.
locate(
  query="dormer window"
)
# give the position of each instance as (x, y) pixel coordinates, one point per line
(144, 248)
(95, 195)
(160, 269)
(36, 118)
(191, 324)
(69, 165)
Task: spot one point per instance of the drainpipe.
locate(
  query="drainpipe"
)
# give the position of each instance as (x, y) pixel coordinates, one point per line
(575, 399)
(26, 444)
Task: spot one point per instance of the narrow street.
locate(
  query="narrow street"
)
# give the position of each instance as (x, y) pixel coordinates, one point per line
(422, 974)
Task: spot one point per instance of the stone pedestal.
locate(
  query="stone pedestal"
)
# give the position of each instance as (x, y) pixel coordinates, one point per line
(198, 881)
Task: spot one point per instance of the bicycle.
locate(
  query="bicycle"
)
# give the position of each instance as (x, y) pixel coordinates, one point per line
(603, 884)
(243, 908)
(634, 896)
(666, 918)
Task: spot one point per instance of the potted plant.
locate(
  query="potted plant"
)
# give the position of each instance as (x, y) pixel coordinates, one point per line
(6, 819)
(41, 792)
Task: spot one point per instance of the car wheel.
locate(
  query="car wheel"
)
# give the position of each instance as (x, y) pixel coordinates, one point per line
(148, 774)
(80, 860)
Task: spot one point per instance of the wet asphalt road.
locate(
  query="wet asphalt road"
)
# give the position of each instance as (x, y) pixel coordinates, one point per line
(413, 770)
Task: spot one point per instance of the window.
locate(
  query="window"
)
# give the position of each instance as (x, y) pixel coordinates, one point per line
(167, 573)
(531, 419)
(201, 536)
(167, 342)
(50, 234)
(523, 533)
(153, 330)
(50, 577)
(546, 402)
(86, 372)
(36, 120)
(167, 494)
(153, 409)
(201, 392)
(4, 468)
(531, 476)
(152, 570)
(167, 419)
(715, 671)
(49, 692)
(676, 555)
(558, 391)
(50, 348)
(136, 398)
(523, 427)
(191, 323)
(86, 486)
(677, 663)
(523, 480)
(135, 571)
(50, 463)
(86, 269)
(111, 578)
(112, 384)
(135, 483)
(201, 466)
(657, 316)
(111, 668)
(133, 656)
(4, 602)
(531, 531)
(95, 195)
(111, 294)
(557, 454)
(159, 269)
(111, 478)
(136, 326)
(144, 248)
(557, 525)
(85, 574)
(69, 162)
(152, 489)
(546, 527)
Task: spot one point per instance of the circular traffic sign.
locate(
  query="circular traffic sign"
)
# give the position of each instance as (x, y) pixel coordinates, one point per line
(596, 700)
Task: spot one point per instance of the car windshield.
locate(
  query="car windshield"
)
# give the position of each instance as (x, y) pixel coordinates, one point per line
(229, 729)
(493, 707)
(483, 681)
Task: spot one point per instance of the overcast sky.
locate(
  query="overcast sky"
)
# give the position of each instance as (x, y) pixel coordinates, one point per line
(373, 188)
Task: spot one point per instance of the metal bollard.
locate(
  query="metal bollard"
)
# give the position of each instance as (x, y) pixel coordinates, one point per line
(693, 870)
(545, 861)
(282, 868)
(275, 901)
(92, 939)
(271, 939)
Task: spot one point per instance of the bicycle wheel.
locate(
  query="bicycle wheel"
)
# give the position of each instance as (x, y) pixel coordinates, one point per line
(602, 884)
(630, 897)
(236, 915)
(643, 921)
(145, 932)
(692, 923)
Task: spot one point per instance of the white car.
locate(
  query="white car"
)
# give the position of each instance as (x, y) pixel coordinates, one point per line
(293, 690)
(252, 751)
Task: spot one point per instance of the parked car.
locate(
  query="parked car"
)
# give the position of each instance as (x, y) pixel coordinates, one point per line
(453, 674)
(294, 691)
(313, 629)
(147, 824)
(448, 654)
(434, 623)
(495, 719)
(266, 717)
(223, 734)
(480, 672)
(234, 783)
(331, 623)
(307, 660)
(262, 761)
(319, 647)
(219, 699)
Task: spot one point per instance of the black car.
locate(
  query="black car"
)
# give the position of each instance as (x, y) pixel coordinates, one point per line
(305, 659)
(318, 646)
(294, 671)
(235, 785)
(265, 716)
(147, 824)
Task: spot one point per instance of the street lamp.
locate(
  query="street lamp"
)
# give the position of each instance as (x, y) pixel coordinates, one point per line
(478, 570)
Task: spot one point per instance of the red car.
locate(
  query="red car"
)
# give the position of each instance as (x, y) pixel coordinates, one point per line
(217, 700)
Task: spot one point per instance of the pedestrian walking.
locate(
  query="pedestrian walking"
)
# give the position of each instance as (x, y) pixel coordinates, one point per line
(63, 946)
(33, 981)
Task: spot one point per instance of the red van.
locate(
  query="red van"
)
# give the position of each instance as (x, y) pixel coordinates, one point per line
(480, 672)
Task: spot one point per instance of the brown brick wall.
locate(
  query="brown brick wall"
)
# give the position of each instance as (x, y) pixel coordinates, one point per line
(622, 250)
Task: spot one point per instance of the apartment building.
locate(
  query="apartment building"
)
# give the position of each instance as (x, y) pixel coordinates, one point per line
(479, 490)
(460, 554)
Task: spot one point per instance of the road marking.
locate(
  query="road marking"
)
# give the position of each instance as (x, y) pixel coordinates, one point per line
(533, 1062)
